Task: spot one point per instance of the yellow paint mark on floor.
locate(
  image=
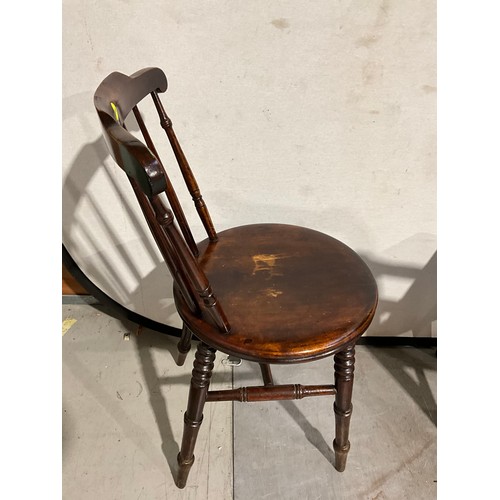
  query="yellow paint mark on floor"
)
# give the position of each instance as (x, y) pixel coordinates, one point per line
(67, 324)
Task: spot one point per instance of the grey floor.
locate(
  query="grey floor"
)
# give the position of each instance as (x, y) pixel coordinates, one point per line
(124, 398)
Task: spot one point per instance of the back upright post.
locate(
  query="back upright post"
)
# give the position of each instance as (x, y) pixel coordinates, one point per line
(186, 171)
(169, 191)
(193, 272)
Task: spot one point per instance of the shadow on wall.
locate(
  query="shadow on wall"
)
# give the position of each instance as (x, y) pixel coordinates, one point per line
(411, 315)
(80, 231)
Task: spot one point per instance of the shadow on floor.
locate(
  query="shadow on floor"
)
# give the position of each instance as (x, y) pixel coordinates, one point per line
(144, 341)
(415, 312)
(399, 363)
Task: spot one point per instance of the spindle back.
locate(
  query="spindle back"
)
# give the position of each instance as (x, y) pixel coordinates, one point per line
(114, 99)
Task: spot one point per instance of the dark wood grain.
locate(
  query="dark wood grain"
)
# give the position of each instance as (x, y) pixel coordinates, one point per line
(166, 249)
(119, 93)
(169, 190)
(133, 156)
(291, 294)
(269, 293)
(186, 171)
(271, 393)
(202, 372)
(267, 375)
(114, 99)
(196, 278)
(184, 345)
(344, 380)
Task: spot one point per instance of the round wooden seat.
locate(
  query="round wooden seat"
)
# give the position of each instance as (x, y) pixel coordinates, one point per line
(290, 293)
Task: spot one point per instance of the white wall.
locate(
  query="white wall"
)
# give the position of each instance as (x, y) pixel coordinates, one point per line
(320, 114)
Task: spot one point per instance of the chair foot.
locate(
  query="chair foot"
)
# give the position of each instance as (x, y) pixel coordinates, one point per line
(344, 379)
(184, 345)
(200, 381)
(340, 455)
(267, 375)
(183, 471)
(181, 358)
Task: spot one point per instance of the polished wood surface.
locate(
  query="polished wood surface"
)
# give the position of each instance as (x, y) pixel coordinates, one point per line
(186, 171)
(169, 190)
(269, 293)
(202, 372)
(117, 95)
(290, 293)
(344, 380)
(114, 99)
(258, 394)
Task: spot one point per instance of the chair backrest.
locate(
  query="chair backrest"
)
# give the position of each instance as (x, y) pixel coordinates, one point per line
(114, 99)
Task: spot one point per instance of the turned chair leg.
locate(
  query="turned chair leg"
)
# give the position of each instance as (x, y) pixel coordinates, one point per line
(184, 345)
(200, 380)
(344, 378)
(267, 376)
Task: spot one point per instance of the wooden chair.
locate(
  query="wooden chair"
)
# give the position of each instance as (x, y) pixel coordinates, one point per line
(269, 293)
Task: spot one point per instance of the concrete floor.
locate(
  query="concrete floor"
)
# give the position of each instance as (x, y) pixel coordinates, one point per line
(124, 399)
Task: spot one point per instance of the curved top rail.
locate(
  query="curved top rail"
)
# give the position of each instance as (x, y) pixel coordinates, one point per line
(119, 93)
